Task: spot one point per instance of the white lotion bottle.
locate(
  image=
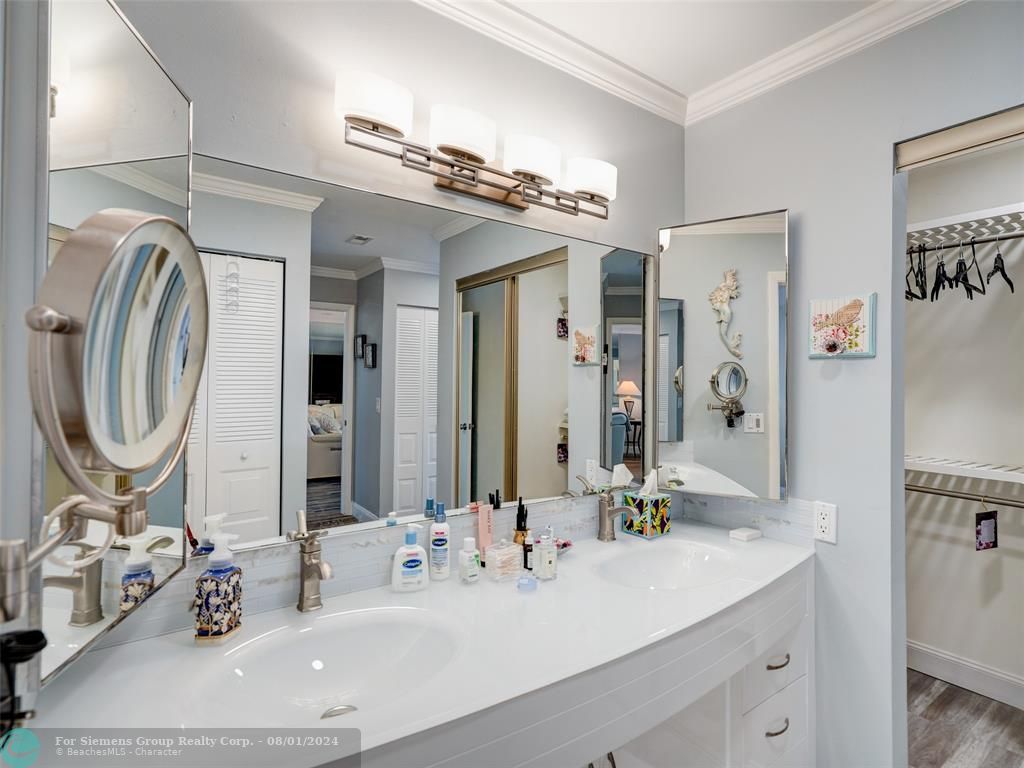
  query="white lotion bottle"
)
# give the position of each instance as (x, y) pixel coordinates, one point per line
(440, 545)
(409, 571)
(469, 561)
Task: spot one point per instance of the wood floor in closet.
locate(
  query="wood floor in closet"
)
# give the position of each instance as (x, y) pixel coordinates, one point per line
(950, 727)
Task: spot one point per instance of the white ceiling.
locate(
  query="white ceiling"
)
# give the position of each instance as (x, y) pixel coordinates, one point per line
(687, 46)
(400, 230)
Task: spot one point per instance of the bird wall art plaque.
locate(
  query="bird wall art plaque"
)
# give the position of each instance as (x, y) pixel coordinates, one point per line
(843, 327)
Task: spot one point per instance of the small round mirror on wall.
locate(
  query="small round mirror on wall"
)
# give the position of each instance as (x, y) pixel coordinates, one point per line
(125, 371)
(729, 382)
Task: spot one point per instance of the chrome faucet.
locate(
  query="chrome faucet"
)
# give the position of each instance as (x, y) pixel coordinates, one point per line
(606, 511)
(85, 585)
(312, 568)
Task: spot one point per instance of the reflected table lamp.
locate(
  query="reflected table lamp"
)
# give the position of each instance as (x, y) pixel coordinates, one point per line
(627, 389)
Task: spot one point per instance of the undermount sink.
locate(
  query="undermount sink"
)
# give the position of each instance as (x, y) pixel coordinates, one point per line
(335, 664)
(669, 564)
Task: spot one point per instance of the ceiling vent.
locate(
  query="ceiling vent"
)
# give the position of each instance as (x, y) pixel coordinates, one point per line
(359, 239)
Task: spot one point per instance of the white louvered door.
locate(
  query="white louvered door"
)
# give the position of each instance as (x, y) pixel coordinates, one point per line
(415, 461)
(195, 456)
(243, 442)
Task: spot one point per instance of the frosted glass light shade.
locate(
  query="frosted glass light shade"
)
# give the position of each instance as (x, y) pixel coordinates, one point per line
(531, 156)
(461, 132)
(587, 176)
(372, 101)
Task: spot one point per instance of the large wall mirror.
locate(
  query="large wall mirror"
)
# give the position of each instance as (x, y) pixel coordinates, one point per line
(721, 357)
(119, 138)
(368, 353)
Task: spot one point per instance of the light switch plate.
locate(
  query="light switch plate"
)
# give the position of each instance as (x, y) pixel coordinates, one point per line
(753, 422)
(825, 521)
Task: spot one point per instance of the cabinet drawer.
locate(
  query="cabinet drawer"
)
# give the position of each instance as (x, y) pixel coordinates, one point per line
(779, 666)
(775, 732)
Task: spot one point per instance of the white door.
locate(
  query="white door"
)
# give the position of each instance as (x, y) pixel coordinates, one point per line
(415, 463)
(465, 407)
(243, 444)
(663, 388)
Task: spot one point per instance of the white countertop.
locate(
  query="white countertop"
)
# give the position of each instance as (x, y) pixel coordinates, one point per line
(503, 644)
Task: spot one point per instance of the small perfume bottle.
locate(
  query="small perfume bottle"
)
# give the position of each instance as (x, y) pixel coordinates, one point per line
(545, 559)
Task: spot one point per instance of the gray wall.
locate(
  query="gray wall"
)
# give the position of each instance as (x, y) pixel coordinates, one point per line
(230, 224)
(822, 146)
(690, 270)
(366, 422)
(278, 111)
(333, 290)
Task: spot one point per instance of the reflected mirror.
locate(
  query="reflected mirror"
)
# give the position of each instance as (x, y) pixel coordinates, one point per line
(428, 354)
(721, 365)
(119, 138)
(622, 364)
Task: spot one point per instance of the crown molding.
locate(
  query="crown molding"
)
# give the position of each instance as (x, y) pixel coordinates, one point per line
(401, 265)
(256, 193)
(526, 34)
(456, 226)
(848, 36)
(144, 182)
(332, 272)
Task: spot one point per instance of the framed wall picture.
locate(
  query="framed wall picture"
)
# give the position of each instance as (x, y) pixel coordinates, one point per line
(843, 327)
(360, 344)
(370, 356)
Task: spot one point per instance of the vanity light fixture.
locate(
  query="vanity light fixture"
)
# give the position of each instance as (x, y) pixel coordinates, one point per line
(589, 177)
(534, 159)
(373, 102)
(462, 133)
(378, 117)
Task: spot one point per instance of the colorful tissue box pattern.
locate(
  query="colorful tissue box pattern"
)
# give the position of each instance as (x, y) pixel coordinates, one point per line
(650, 516)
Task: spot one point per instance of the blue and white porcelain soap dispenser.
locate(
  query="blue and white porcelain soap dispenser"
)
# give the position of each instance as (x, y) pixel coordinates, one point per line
(218, 600)
(137, 581)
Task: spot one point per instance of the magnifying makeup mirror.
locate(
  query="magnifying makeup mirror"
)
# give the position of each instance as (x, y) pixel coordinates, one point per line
(116, 352)
(728, 384)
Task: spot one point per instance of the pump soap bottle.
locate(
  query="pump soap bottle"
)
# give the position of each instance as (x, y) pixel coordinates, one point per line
(218, 600)
(409, 572)
(211, 527)
(440, 545)
(137, 581)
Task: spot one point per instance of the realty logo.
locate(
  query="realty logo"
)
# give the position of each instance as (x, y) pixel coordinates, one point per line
(19, 748)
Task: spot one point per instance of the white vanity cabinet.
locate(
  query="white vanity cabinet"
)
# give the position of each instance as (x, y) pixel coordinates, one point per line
(759, 718)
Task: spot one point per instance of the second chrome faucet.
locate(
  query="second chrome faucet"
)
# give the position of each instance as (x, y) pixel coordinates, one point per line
(312, 568)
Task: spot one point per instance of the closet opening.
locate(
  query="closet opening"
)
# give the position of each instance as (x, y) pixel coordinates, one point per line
(962, 278)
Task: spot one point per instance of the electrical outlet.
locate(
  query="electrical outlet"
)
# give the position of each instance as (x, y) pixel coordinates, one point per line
(592, 471)
(825, 521)
(753, 422)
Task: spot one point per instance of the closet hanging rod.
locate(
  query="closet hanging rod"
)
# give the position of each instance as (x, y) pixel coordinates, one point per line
(956, 241)
(997, 501)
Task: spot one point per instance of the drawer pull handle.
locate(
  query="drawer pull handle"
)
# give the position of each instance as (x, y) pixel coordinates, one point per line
(773, 734)
(777, 667)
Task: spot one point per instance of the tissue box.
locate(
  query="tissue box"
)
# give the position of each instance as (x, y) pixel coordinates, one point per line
(650, 516)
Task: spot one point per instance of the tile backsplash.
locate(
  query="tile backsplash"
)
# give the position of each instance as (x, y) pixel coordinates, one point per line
(361, 559)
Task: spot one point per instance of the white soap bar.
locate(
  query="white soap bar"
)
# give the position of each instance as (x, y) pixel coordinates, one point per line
(744, 534)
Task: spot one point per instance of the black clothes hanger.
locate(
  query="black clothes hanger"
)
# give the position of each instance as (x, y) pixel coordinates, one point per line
(999, 266)
(963, 272)
(917, 271)
(942, 280)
